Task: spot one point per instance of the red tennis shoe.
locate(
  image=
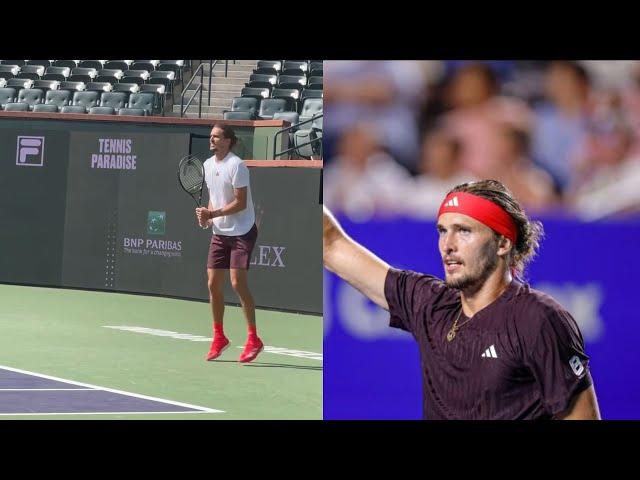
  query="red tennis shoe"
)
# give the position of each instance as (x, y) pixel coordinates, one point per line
(251, 350)
(219, 345)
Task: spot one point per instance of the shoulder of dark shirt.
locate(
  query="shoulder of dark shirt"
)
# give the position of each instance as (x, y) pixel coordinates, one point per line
(444, 295)
(537, 307)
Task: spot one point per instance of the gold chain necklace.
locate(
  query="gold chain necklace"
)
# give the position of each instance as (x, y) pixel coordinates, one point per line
(454, 329)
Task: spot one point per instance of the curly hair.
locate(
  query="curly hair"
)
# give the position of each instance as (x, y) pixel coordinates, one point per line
(530, 232)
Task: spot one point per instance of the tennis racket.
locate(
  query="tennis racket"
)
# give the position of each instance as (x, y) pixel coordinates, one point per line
(191, 176)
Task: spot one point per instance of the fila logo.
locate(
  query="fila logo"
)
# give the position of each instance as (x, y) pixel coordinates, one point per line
(490, 352)
(452, 203)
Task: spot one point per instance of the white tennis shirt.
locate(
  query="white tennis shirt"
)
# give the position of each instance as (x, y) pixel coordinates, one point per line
(222, 176)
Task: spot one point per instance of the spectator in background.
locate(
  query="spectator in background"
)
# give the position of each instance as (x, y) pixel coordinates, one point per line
(531, 185)
(608, 173)
(561, 123)
(363, 180)
(439, 171)
(477, 113)
(387, 94)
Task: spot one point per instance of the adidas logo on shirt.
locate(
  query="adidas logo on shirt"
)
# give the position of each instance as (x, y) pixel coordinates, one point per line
(490, 352)
(452, 203)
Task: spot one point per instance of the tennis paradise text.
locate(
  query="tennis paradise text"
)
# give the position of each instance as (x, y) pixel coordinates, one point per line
(114, 154)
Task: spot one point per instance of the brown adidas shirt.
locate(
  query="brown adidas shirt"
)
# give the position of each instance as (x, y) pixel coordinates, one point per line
(521, 357)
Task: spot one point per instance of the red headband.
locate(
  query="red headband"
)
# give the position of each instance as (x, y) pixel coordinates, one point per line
(483, 210)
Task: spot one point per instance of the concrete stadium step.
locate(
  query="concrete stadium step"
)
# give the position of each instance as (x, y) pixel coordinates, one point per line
(220, 83)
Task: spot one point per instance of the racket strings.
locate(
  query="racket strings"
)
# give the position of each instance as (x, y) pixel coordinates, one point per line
(191, 176)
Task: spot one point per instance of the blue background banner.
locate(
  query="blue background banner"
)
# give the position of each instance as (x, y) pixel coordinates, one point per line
(372, 371)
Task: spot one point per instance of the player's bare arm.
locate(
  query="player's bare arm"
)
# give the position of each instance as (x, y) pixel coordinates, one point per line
(584, 406)
(238, 204)
(352, 262)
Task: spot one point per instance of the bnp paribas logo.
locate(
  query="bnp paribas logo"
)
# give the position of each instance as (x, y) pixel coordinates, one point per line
(156, 223)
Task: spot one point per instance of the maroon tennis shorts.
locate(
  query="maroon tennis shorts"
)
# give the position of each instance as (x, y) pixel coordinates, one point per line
(232, 252)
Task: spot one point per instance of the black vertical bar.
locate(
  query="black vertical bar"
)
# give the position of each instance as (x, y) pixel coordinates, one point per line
(201, 83)
(210, 74)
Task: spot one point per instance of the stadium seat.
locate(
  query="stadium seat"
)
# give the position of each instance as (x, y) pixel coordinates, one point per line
(303, 136)
(19, 83)
(102, 111)
(310, 108)
(310, 93)
(110, 75)
(291, 117)
(143, 101)
(136, 76)
(237, 116)
(115, 100)
(292, 81)
(291, 95)
(19, 63)
(261, 77)
(44, 63)
(57, 73)
(98, 86)
(73, 86)
(16, 107)
(294, 68)
(245, 104)
(86, 99)
(46, 84)
(132, 111)
(45, 108)
(315, 83)
(66, 63)
(7, 95)
(268, 67)
(34, 72)
(175, 66)
(31, 96)
(259, 84)
(126, 87)
(148, 65)
(97, 64)
(166, 78)
(73, 109)
(159, 91)
(83, 74)
(118, 64)
(269, 106)
(59, 98)
(9, 71)
(257, 93)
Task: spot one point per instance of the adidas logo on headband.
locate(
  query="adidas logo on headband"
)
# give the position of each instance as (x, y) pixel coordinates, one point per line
(452, 203)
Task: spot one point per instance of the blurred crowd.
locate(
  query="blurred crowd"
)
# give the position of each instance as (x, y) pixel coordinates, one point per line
(563, 136)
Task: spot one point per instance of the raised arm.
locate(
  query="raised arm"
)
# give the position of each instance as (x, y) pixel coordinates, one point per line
(352, 262)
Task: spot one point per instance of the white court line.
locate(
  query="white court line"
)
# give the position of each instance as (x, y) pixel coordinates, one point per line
(112, 390)
(94, 413)
(198, 338)
(44, 389)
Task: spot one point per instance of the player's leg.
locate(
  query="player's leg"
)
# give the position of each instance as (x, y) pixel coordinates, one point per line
(240, 284)
(239, 270)
(217, 266)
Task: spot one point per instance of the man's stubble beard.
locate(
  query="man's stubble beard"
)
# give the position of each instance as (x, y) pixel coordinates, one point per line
(486, 265)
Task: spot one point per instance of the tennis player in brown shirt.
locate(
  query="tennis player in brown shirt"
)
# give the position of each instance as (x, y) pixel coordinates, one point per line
(491, 347)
